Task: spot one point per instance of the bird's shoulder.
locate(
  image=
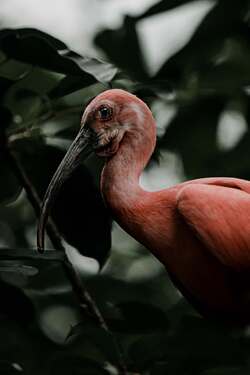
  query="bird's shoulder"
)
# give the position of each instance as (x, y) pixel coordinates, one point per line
(226, 182)
(218, 212)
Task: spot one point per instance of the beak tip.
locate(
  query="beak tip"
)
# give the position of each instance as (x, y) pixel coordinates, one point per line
(40, 237)
(40, 250)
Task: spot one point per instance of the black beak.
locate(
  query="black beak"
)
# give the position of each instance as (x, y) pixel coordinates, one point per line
(78, 151)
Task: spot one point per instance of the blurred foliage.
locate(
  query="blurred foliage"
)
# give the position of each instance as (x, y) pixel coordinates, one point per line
(43, 90)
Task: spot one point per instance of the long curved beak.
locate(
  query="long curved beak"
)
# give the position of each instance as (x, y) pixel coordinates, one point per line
(78, 151)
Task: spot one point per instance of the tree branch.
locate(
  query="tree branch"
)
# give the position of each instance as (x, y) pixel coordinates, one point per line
(86, 301)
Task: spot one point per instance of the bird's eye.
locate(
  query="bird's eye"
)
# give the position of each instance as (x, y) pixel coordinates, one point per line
(104, 113)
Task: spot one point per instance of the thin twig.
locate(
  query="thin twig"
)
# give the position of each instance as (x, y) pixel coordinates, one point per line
(86, 301)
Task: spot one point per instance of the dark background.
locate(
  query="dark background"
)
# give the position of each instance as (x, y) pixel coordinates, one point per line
(200, 98)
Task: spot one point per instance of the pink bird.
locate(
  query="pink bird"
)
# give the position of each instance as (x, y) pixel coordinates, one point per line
(199, 229)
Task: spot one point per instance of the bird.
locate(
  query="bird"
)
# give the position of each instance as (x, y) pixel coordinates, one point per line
(198, 229)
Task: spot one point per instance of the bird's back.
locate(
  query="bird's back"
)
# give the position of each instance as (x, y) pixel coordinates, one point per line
(200, 230)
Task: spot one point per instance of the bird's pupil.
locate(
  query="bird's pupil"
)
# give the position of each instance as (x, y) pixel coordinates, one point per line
(104, 113)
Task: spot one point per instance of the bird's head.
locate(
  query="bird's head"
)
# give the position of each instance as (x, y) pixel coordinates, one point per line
(105, 122)
(109, 117)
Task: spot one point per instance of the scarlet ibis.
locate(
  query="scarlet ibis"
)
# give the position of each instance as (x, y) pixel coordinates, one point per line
(199, 229)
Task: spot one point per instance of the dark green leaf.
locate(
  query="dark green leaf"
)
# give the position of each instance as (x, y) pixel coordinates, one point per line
(8, 368)
(122, 47)
(138, 317)
(163, 6)
(79, 211)
(40, 49)
(17, 269)
(213, 31)
(70, 84)
(10, 186)
(26, 105)
(225, 371)
(192, 132)
(5, 84)
(29, 254)
(76, 366)
(102, 71)
(97, 337)
(14, 302)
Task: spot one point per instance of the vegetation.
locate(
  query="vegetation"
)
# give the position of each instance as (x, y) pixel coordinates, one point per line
(49, 324)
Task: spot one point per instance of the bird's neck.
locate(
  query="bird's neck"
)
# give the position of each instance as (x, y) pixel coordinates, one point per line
(120, 177)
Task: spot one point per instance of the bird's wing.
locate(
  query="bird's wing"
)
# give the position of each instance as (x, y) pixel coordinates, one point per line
(220, 217)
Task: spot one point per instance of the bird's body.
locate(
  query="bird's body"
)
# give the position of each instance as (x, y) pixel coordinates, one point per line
(200, 229)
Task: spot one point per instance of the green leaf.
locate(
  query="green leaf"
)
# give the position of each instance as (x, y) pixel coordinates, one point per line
(31, 254)
(102, 71)
(76, 202)
(70, 84)
(37, 48)
(15, 302)
(122, 47)
(138, 317)
(8, 368)
(162, 6)
(5, 84)
(92, 335)
(21, 267)
(65, 365)
(231, 72)
(10, 186)
(194, 345)
(226, 371)
(194, 128)
(25, 105)
(14, 70)
(193, 57)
